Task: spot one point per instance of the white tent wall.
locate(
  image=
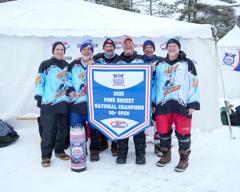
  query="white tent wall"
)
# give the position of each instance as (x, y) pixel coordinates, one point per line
(24, 54)
(230, 43)
(203, 52)
(19, 61)
(230, 80)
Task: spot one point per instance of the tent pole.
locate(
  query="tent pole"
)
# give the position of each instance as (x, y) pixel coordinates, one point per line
(226, 102)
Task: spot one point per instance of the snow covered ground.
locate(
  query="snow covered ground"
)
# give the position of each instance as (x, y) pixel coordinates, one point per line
(214, 167)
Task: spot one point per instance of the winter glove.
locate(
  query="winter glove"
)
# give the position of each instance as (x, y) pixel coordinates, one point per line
(39, 100)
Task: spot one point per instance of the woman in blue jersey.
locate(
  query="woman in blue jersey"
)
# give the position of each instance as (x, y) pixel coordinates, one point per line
(50, 93)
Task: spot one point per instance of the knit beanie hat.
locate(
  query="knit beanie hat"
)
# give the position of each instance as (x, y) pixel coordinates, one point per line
(87, 43)
(109, 41)
(174, 41)
(148, 42)
(56, 44)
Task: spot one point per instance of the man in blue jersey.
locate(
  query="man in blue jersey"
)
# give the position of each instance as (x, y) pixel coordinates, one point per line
(176, 96)
(127, 57)
(152, 59)
(78, 95)
(107, 57)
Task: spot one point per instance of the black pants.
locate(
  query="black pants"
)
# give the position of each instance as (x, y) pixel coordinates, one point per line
(139, 141)
(54, 132)
(95, 140)
(67, 141)
(39, 126)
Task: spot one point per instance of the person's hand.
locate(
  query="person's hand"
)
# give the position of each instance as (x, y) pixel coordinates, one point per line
(153, 66)
(190, 111)
(72, 94)
(153, 110)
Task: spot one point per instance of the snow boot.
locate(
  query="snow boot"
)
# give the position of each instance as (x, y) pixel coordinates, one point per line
(122, 157)
(114, 148)
(62, 156)
(140, 153)
(140, 159)
(122, 151)
(46, 162)
(166, 157)
(183, 162)
(94, 155)
(157, 150)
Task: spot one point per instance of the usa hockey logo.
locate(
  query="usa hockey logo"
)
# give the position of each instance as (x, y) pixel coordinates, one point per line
(229, 59)
(118, 79)
(119, 124)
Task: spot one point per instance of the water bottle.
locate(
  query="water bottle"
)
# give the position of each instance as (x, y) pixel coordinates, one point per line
(78, 148)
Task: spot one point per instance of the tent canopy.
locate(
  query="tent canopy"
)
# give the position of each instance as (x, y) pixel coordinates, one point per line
(28, 29)
(79, 18)
(231, 39)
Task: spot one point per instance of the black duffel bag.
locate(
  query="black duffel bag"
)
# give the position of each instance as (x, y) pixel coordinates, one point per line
(235, 117)
(7, 134)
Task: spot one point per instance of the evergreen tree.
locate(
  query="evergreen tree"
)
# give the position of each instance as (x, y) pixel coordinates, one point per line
(166, 10)
(156, 7)
(221, 16)
(119, 4)
(228, 1)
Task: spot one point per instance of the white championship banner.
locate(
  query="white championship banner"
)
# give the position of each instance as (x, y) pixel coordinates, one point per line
(119, 99)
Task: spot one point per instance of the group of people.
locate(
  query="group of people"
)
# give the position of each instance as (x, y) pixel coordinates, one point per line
(61, 94)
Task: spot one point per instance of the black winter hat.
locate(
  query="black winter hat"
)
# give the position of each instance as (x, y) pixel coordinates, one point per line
(148, 42)
(109, 41)
(174, 41)
(56, 44)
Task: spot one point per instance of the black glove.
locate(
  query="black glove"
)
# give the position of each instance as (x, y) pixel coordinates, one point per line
(39, 100)
(39, 103)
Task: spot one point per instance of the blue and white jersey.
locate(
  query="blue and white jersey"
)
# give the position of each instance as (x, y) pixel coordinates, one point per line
(77, 83)
(101, 59)
(176, 87)
(51, 86)
(133, 59)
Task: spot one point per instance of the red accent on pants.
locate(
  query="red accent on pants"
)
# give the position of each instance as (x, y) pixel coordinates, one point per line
(88, 130)
(182, 123)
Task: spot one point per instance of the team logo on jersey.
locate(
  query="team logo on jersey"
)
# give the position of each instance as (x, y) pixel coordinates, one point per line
(229, 59)
(118, 79)
(119, 124)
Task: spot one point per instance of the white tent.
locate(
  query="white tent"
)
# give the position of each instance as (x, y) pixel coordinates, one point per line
(27, 27)
(231, 39)
(230, 43)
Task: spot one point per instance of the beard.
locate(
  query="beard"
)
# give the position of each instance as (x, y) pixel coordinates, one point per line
(109, 55)
(86, 57)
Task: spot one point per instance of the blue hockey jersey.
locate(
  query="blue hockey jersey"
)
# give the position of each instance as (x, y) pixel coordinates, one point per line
(51, 86)
(176, 87)
(77, 83)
